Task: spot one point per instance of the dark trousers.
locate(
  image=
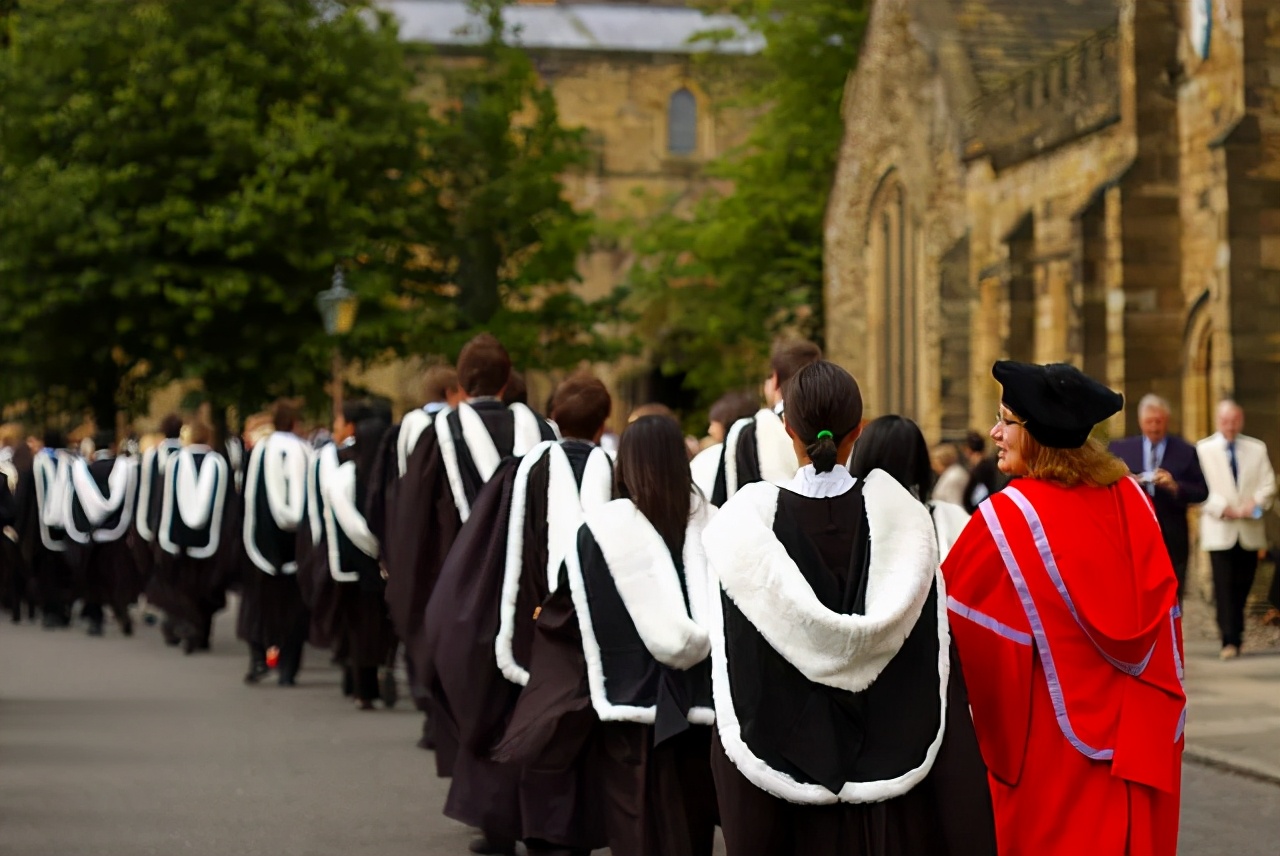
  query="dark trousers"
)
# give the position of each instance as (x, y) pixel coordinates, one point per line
(53, 582)
(1233, 573)
(1273, 596)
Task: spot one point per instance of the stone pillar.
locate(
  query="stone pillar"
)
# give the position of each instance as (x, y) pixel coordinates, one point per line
(1253, 188)
(1151, 221)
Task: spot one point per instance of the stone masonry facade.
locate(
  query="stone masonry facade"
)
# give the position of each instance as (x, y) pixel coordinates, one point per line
(1078, 183)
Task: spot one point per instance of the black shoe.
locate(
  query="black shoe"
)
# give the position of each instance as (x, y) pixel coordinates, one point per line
(387, 687)
(493, 845)
(257, 671)
(95, 627)
(288, 681)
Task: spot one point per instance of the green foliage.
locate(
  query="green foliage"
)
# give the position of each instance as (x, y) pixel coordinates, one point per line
(716, 287)
(177, 181)
(510, 242)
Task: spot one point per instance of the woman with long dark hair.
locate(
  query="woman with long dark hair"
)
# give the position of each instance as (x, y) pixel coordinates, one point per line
(896, 445)
(639, 585)
(837, 728)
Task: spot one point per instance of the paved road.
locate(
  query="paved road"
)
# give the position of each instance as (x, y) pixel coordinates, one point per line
(122, 747)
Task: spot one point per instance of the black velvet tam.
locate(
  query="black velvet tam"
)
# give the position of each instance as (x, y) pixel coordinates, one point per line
(1060, 403)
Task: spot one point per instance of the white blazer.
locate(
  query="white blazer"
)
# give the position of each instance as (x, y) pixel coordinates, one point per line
(1257, 485)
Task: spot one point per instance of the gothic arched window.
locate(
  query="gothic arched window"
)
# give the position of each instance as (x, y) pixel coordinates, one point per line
(682, 123)
(894, 253)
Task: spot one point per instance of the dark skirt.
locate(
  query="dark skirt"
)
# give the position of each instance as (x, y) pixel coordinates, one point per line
(560, 807)
(656, 799)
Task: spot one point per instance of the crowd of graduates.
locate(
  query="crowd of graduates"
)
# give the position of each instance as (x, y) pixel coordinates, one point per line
(629, 641)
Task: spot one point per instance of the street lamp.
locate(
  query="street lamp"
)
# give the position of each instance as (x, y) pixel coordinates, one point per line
(337, 305)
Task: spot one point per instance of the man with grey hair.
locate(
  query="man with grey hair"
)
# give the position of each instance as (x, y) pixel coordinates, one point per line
(1169, 470)
(1242, 486)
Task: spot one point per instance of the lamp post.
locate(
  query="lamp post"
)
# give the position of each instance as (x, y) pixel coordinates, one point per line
(337, 305)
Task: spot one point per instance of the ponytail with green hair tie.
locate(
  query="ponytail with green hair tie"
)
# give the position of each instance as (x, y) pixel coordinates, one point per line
(825, 435)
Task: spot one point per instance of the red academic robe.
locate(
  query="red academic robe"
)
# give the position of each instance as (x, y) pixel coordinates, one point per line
(1065, 614)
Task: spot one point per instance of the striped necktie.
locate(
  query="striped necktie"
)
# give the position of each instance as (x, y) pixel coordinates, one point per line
(1235, 469)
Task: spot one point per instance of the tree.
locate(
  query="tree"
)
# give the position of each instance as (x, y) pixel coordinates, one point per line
(177, 181)
(715, 287)
(510, 241)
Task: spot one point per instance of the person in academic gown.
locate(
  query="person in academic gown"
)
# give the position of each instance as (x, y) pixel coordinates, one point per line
(100, 506)
(727, 410)
(757, 448)
(153, 562)
(838, 729)
(481, 617)
(352, 600)
(197, 536)
(452, 460)
(274, 500)
(42, 533)
(620, 656)
(14, 461)
(1065, 614)
(896, 445)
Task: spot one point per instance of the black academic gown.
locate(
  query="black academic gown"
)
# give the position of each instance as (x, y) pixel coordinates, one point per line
(14, 577)
(105, 572)
(642, 723)
(466, 616)
(809, 741)
(273, 613)
(152, 562)
(195, 553)
(755, 449)
(344, 585)
(421, 523)
(44, 548)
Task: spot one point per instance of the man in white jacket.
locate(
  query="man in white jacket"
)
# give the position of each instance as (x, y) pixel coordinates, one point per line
(1242, 486)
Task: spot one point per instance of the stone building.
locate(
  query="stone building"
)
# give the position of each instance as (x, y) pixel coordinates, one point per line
(654, 115)
(624, 70)
(1091, 181)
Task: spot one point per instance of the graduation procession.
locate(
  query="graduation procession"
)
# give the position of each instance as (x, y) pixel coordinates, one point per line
(639, 427)
(780, 645)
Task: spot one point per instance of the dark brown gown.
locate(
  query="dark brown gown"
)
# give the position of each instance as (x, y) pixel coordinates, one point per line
(533, 803)
(105, 573)
(422, 522)
(949, 812)
(349, 617)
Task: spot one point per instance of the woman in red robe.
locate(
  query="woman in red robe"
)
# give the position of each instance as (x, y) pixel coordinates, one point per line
(1065, 613)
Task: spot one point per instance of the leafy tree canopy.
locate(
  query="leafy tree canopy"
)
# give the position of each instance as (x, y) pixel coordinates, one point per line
(717, 285)
(177, 180)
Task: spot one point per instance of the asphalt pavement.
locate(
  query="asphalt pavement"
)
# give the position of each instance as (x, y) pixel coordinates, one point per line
(123, 747)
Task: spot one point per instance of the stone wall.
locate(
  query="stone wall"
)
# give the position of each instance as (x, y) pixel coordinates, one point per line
(900, 129)
(1252, 152)
(1210, 105)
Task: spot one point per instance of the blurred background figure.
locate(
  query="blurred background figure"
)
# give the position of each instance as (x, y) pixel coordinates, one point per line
(952, 475)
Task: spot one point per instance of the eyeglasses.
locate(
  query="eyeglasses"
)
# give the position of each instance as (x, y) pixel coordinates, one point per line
(1001, 419)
